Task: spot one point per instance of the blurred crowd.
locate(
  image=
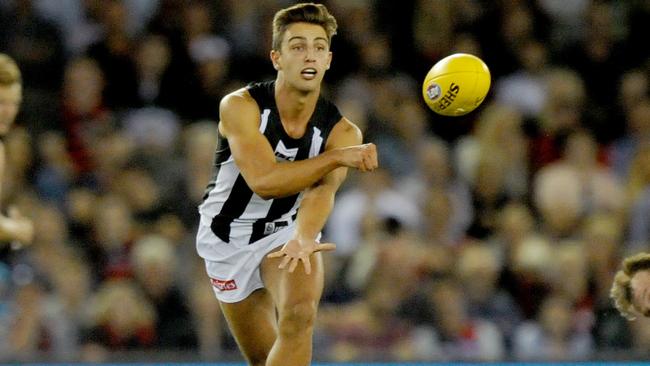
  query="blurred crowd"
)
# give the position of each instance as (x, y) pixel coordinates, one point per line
(492, 236)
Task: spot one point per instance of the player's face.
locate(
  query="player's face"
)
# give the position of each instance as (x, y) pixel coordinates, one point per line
(304, 56)
(640, 284)
(10, 98)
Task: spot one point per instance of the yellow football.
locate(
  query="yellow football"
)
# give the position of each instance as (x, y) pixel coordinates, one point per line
(456, 85)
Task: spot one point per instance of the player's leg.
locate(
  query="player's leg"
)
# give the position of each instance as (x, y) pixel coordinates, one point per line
(252, 322)
(296, 296)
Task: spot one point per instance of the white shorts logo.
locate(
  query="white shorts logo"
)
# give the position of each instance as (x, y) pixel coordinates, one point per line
(224, 285)
(272, 227)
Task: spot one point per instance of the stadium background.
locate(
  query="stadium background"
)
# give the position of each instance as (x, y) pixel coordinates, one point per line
(491, 237)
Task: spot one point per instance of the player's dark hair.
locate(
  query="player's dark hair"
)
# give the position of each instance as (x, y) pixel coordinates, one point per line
(302, 13)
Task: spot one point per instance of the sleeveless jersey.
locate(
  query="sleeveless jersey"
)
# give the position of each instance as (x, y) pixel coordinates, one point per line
(239, 215)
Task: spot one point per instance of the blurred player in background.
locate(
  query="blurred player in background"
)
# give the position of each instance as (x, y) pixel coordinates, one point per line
(14, 228)
(631, 288)
(281, 148)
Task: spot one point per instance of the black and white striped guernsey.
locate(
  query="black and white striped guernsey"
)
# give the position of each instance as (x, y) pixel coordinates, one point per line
(239, 215)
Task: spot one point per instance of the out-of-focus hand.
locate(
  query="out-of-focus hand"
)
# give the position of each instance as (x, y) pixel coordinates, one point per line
(299, 250)
(21, 228)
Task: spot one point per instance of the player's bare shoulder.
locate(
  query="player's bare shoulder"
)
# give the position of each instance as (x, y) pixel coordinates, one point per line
(236, 110)
(344, 133)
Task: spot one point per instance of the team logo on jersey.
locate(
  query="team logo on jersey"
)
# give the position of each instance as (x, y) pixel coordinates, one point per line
(284, 153)
(223, 285)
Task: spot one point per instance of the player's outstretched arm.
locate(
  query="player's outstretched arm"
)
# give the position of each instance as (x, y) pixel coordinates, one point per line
(255, 158)
(317, 205)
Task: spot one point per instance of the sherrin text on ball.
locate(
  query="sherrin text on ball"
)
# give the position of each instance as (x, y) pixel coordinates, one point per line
(456, 85)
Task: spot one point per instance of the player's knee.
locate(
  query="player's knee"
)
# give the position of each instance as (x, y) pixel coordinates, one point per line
(295, 319)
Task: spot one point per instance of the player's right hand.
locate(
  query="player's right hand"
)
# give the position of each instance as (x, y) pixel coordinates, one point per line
(362, 157)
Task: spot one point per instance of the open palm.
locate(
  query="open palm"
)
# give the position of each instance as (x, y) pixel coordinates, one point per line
(299, 250)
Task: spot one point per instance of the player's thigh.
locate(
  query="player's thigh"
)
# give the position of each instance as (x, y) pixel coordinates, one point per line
(297, 288)
(252, 322)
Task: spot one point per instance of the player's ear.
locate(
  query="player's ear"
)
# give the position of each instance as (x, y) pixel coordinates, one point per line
(275, 58)
(329, 60)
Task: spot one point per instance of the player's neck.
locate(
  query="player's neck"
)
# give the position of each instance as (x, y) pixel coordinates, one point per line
(294, 104)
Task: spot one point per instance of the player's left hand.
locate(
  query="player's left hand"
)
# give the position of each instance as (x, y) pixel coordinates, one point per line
(299, 250)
